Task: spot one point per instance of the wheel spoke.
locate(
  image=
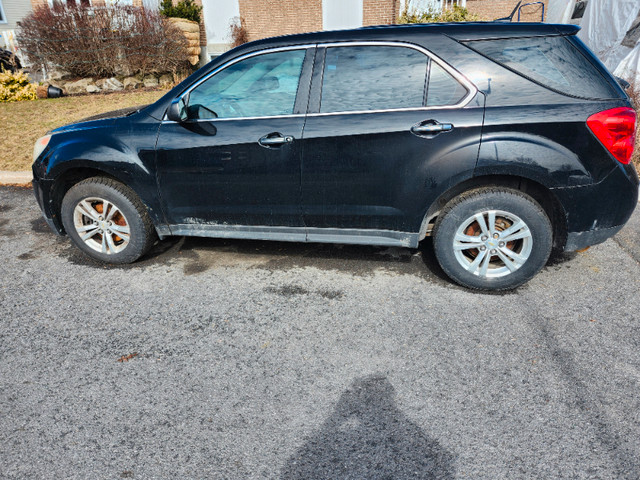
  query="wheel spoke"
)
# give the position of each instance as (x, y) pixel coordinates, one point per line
(86, 208)
(466, 242)
(113, 211)
(524, 233)
(473, 266)
(483, 225)
(492, 222)
(120, 229)
(104, 244)
(512, 266)
(110, 243)
(517, 226)
(467, 246)
(485, 265)
(517, 258)
(90, 233)
(461, 237)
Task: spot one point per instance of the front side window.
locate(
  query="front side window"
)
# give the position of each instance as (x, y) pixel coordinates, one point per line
(3, 19)
(362, 78)
(261, 86)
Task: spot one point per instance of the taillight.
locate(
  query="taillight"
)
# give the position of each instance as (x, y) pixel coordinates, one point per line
(616, 129)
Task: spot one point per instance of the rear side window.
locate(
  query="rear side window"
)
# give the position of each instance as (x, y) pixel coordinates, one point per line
(550, 61)
(373, 78)
(443, 88)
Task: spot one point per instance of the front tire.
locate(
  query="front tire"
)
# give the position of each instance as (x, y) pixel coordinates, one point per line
(492, 238)
(107, 221)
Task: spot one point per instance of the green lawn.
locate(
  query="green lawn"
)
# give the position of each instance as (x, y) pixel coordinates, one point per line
(22, 123)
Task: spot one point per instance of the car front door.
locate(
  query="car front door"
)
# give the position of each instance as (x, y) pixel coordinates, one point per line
(234, 158)
(387, 124)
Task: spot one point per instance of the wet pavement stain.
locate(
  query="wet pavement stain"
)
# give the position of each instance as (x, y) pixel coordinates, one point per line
(330, 294)
(294, 290)
(39, 225)
(197, 255)
(4, 230)
(287, 290)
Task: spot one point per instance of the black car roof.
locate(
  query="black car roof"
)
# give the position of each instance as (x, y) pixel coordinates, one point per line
(409, 33)
(459, 31)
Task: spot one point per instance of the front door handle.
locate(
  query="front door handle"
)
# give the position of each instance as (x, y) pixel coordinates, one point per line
(275, 140)
(431, 127)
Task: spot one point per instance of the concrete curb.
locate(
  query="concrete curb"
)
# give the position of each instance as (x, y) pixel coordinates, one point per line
(15, 178)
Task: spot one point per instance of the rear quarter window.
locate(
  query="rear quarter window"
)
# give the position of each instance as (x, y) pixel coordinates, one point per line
(552, 62)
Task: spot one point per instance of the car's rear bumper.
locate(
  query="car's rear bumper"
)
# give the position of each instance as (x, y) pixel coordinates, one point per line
(597, 212)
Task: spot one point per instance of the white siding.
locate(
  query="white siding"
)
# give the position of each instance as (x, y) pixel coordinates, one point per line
(217, 17)
(14, 10)
(337, 14)
(435, 5)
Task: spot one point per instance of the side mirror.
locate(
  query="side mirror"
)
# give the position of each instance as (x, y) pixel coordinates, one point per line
(176, 111)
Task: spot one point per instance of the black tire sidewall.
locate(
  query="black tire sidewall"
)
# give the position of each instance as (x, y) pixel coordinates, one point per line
(138, 236)
(514, 202)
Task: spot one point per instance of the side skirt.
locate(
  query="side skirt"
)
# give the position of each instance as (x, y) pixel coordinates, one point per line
(388, 238)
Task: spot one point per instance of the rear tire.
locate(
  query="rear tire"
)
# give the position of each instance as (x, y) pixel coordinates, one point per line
(492, 238)
(107, 221)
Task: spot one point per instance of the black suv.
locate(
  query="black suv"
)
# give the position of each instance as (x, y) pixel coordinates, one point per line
(501, 141)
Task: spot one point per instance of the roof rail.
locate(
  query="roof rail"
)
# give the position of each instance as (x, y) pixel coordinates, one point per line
(532, 3)
(510, 17)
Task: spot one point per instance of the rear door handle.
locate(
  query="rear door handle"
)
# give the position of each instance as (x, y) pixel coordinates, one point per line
(275, 140)
(431, 127)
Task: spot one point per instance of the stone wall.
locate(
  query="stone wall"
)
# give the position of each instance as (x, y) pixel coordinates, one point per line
(71, 86)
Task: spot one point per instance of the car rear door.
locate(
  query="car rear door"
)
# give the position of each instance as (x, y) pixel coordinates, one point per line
(388, 124)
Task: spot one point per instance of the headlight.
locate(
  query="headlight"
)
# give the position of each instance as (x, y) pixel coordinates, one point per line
(40, 145)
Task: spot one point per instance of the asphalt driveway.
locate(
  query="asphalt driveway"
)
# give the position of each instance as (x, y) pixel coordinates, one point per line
(241, 360)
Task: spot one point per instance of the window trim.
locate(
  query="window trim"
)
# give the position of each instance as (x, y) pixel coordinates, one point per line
(3, 20)
(186, 93)
(472, 90)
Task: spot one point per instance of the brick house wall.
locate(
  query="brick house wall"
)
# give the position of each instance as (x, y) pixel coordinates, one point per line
(492, 9)
(269, 18)
(380, 12)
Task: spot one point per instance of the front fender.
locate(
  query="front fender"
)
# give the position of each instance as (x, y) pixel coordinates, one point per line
(114, 150)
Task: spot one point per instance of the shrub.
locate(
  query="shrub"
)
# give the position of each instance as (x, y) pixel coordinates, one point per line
(15, 86)
(634, 93)
(183, 9)
(237, 32)
(455, 14)
(102, 41)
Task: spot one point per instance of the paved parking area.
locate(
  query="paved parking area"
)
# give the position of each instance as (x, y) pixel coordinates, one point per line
(241, 360)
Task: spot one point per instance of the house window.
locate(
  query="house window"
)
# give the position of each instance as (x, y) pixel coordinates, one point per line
(3, 18)
(82, 3)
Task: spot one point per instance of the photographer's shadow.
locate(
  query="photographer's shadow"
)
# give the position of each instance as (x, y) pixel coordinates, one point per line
(368, 437)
